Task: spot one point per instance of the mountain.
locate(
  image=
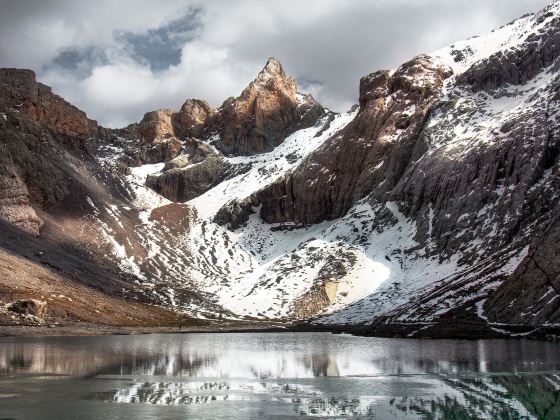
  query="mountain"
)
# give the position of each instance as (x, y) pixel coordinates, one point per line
(429, 209)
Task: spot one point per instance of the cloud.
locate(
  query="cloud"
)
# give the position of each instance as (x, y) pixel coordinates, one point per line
(161, 47)
(118, 60)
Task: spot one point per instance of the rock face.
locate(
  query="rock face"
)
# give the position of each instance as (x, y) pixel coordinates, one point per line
(21, 91)
(160, 143)
(193, 118)
(531, 295)
(15, 207)
(61, 116)
(264, 114)
(374, 149)
(189, 175)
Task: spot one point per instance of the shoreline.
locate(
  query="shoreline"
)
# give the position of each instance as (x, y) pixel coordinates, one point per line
(455, 331)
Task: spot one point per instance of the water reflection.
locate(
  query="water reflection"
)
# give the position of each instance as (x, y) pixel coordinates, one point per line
(283, 375)
(495, 396)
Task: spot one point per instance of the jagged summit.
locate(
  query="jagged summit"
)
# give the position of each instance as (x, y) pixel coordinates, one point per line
(263, 115)
(272, 69)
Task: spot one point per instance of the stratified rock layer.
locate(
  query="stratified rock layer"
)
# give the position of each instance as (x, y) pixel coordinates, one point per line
(19, 89)
(15, 207)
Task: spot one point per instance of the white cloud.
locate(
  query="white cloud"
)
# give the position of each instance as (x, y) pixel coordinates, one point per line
(327, 44)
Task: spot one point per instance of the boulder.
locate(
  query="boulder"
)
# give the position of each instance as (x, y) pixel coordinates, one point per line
(33, 307)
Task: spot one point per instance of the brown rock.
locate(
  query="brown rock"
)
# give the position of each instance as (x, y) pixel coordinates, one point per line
(159, 142)
(20, 91)
(34, 307)
(15, 207)
(61, 116)
(263, 115)
(193, 117)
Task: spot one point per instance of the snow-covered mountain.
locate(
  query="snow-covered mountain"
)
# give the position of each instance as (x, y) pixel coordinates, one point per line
(429, 208)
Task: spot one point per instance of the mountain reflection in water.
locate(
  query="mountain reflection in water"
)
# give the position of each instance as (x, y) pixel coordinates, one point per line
(254, 375)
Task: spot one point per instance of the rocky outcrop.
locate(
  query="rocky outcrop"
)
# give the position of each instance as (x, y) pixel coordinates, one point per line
(62, 117)
(263, 115)
(15, 207)
(21, 91)
(191, 174)
(193, 118)
(33, 307)
(235, 213)
(159, 141)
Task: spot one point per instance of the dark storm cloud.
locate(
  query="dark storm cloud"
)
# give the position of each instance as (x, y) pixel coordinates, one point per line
(80, 61)
(117, 60)
(161, 47)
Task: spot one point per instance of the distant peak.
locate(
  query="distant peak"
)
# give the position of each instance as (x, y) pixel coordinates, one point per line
(273, 65)
(272, 68)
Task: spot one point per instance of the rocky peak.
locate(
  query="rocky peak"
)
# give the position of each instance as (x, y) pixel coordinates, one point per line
(272, 70)
(265, 113)
(156, 125)
(270, 83)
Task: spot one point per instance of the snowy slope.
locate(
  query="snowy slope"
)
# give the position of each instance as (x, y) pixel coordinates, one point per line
(390, 269)
(463, 54)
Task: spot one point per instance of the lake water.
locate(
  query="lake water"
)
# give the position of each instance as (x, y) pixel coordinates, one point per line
(276, 376)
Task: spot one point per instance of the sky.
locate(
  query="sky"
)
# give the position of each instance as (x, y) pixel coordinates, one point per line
(117, 60)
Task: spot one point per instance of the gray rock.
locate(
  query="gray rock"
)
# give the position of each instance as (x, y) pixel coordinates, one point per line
(183, 183)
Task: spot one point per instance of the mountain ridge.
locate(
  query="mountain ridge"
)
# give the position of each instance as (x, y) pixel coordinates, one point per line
(427, 208)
